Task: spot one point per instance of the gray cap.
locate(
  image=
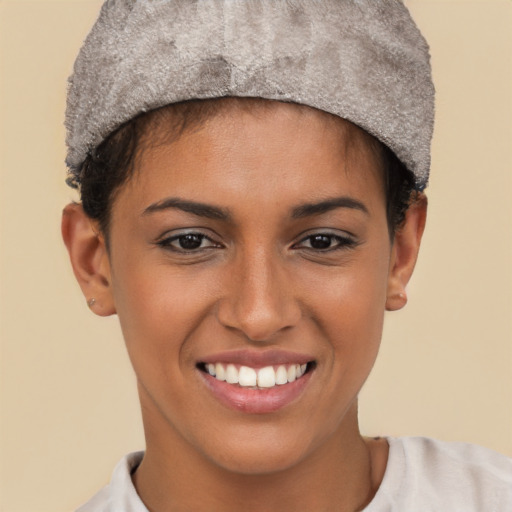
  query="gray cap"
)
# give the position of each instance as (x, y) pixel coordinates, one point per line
(363, 60)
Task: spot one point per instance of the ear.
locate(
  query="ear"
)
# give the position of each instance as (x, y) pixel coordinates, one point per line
(404, 253)
(89, 259)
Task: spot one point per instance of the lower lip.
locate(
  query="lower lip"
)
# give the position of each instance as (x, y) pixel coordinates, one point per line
(256, 401)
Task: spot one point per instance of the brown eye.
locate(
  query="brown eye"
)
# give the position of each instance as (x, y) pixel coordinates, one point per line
(320, 241)
(188, 243)
(325, 242)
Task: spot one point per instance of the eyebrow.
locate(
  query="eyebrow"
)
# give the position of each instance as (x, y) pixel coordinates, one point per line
(198, 209)
(307, 210)
(216, 213)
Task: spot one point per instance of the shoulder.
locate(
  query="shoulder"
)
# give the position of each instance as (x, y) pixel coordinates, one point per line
(119, 494)
(466, 457)
(440, 476)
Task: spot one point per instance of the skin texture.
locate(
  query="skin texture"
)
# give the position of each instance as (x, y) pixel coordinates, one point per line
(255, 284)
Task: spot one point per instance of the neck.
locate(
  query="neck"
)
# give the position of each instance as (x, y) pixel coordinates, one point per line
(344, 472)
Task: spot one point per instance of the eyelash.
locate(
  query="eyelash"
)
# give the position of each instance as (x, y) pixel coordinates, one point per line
(167, 242)
(342, 242)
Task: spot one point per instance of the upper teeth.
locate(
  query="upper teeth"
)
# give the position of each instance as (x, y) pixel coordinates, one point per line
(266, 377)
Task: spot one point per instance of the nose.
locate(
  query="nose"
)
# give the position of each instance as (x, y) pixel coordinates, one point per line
(260, 299)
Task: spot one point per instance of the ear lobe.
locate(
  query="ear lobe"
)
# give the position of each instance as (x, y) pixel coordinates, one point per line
(89, 259)
(404, 253)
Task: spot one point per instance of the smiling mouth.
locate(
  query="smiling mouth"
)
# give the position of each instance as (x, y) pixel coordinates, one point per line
(256, 378)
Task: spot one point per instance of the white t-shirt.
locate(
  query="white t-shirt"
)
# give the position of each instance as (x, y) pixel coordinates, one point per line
(422, 475)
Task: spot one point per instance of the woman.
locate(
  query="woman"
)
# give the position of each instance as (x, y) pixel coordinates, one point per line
(249, 232)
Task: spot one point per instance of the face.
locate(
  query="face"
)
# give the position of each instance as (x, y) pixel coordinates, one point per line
(254, 248)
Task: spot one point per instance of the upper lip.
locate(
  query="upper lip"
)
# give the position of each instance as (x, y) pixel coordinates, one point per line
(257, 358)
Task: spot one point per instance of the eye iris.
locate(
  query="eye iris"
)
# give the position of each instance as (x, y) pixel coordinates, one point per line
(190, 241)
(320, 242)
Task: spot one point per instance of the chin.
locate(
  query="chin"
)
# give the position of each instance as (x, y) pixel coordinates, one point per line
(255, 460)
(259, 450)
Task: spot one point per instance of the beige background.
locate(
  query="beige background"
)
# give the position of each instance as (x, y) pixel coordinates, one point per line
(68, 403)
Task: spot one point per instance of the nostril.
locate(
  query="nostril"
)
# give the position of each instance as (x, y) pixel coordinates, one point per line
(260, 327)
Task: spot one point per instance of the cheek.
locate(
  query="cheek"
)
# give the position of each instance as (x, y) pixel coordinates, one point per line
(350, 311)
(353, 292)
(159, 309)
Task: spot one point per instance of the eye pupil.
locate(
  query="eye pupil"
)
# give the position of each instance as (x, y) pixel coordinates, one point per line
(190, 241)
(320, 242)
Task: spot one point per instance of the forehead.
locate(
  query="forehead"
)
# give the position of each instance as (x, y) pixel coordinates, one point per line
(168, 124)
(250, 145)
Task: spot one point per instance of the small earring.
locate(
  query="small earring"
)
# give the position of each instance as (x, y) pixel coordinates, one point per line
(402, 296)
(396, 301)
(91, 302)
